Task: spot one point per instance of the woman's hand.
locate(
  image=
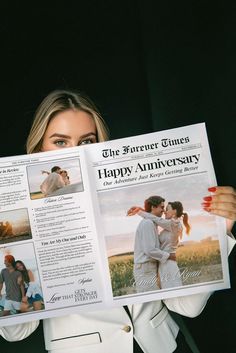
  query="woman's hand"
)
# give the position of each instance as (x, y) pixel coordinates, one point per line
(222, 202)
(134, 210)
(24, 299)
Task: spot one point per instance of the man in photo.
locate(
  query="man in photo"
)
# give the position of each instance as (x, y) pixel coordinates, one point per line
(14, 286)
(52, 182)
(147, 253)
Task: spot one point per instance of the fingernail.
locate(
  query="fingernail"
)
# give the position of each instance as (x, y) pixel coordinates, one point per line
(207, 198)
(212, 189)
(207, 209)
(206, 204)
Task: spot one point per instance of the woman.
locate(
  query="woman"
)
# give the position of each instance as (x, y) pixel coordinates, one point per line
(168, 271)
(55, 181)
(65, 177)
(66, 119)
(57, 110)
(33, 294)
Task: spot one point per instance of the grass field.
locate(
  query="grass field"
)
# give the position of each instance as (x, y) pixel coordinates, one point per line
(13, 238)
(36, 195)
(201, 258)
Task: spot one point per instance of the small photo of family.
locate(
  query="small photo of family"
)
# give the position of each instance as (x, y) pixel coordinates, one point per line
(55, 178)
(20, 289)
(14, 226)
(158, 237)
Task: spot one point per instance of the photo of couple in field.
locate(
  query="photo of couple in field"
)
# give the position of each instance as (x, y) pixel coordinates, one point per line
(158, 237)
(20, 288)
(55, 178)
(14, 226)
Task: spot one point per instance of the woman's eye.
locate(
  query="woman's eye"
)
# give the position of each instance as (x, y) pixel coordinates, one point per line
(60, 143)
(86, 142)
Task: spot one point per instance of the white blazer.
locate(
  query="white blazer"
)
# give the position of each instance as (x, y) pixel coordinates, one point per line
(112, 330)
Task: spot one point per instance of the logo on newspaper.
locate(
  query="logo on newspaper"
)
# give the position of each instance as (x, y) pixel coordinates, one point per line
(80, 295)
(84, 295)
(56, 297)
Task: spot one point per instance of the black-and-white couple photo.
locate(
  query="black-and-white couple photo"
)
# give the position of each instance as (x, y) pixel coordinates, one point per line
(55, 178)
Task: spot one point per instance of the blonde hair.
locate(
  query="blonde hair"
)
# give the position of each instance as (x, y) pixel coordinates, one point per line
(56, 102)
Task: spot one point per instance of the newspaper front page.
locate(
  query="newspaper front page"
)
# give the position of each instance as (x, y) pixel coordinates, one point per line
(67, 244)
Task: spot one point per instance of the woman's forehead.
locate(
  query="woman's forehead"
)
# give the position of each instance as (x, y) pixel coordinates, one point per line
(71, 121)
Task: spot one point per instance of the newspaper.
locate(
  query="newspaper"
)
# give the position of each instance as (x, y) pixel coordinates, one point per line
(76, 240)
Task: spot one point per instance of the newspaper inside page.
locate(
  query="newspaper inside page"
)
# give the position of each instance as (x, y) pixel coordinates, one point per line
(175, 164)
(47, 225)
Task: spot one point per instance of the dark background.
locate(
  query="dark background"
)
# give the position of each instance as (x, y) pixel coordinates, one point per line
(148, 65)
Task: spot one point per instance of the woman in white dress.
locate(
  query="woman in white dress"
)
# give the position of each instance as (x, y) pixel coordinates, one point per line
(170, 236)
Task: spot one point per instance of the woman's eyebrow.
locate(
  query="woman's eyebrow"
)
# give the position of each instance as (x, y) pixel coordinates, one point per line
(88, 134)
(68, 137)
(60, 135)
